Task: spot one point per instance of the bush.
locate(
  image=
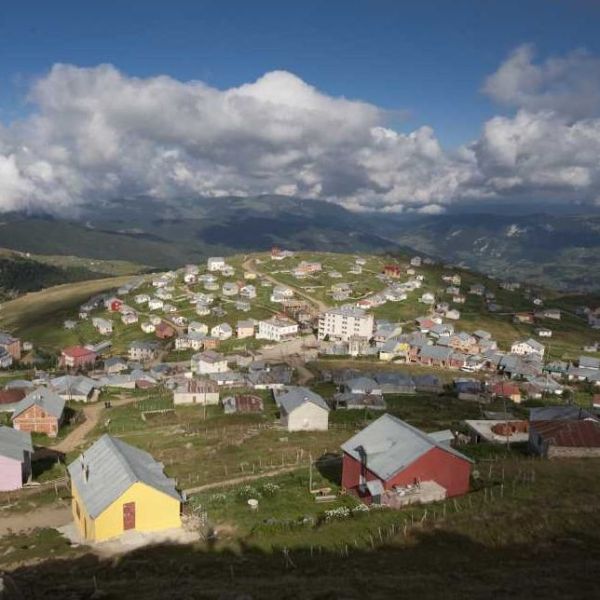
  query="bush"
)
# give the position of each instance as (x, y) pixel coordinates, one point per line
(270, 489)
(246, 492)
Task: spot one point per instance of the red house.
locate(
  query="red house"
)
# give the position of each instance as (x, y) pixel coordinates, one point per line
(390, 453)
(392, 271)
(75, 357)
(114, 304)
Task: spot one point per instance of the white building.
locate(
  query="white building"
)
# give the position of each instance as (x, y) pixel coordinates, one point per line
(345, 322)
(528, 347)
(302, 410)
(215, 263)
(222, 331)
(209, 362)
(197, 327)
(104, 326)
(197, 391)
(155, 304)
(277, 329)
(147, 327)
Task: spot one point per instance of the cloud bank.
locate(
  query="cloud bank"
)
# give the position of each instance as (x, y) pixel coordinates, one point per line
(95, 133)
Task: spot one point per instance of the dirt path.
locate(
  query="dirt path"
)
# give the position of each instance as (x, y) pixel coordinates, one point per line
(242, 479)
(92, 414)
(43, 517)
(250, 265)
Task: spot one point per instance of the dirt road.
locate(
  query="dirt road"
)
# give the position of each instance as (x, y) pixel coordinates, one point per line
(242, 479)
(250, 265)
(43, 517)
(92, 414)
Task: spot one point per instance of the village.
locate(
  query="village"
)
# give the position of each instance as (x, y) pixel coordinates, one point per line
(263, 389)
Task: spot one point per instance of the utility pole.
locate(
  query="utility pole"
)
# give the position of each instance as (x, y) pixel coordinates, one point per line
(310, 476)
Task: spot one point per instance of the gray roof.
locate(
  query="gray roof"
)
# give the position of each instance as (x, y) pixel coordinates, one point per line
(294, 397)
(559, 413)
(589, 362)
(14, 443)
(46, 399)
(436, 352)
(113, 467)
(392, 445)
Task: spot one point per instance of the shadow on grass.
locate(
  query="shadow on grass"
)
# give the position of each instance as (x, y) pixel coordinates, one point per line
(436, 564)
(329, 466)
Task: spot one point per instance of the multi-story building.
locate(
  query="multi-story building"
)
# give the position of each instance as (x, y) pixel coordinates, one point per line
(277, 329)
(345, 322)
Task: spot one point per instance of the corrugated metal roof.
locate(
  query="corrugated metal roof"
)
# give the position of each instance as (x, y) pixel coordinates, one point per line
(112, 467)
(559, 413)
(46, 399)
(391, 445)
(571, 434)
(14, 443)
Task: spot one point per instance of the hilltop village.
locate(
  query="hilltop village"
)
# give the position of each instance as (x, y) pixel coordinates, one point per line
(175, 401)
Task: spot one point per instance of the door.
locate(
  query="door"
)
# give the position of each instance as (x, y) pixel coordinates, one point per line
(129, 515)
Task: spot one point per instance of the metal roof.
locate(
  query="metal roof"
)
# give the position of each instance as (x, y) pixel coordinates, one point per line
(46, 399)
(14, 443)
(572, 434)
(112, 467)
(391, 445)
(559, 413)
(294, 397)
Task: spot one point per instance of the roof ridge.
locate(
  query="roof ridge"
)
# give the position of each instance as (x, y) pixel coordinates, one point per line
(112, 441)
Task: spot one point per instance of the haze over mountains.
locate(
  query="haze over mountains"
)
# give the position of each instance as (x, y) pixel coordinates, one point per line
(557, 250)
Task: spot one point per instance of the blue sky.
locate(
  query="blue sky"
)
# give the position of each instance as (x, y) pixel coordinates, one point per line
(427, 58)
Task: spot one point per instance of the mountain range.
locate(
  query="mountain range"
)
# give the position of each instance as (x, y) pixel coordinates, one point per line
(556, 250)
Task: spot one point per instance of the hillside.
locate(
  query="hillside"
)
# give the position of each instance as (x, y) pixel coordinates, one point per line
(559, 251)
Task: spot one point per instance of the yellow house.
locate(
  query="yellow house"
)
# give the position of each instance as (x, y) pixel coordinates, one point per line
(117, 487)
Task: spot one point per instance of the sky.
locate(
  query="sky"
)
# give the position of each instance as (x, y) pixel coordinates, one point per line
(377, 105)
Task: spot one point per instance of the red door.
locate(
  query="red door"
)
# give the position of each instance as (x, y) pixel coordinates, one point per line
(129, 515)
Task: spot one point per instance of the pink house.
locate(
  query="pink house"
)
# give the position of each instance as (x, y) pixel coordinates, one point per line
(15, 458)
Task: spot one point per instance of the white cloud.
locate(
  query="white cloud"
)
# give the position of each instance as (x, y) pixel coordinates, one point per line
(568, 85)
(96, 133)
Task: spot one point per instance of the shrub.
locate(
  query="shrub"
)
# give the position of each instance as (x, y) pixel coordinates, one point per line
(246, 492)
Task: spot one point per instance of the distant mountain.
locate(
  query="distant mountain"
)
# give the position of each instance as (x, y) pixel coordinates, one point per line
(559, 251)
(556, 251)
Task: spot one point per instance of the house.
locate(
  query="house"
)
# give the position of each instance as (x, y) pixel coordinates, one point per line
(527, 347)
(148, 327)
(543, 332)
(302, 410)
(477, 289)
(69, 324)
(197, 327)
(113, 304)
(222, 331)
(305, 268)
(142, 299)
(114, 365)
(281, 293)
(245, 329)
(565, 439)
(209, 362)
(415, 261)
(75, 387)
(390, 454)
(505, 389)
(243, 403)
(15, 458)
(523, 317)
(248, 291)
(116, 488)
(277, 329)
(362, 385)
(155, 304)
(435, 356)
(142, 351)
(41, 411)
(215, 263)
(129, 317)
(427, 298)
(11, 344)
(6, 360)
(279, 254)
(342, 323)
(229, 379)
(230, 288)
(104, 326)
(393, 271)
(197, 391)
(589, 362)
(77, 357)
(164, 331)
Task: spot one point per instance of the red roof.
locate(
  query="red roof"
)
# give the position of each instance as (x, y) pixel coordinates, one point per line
(504, 388)
(573, 434)
(77, 351)
(12, 396)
